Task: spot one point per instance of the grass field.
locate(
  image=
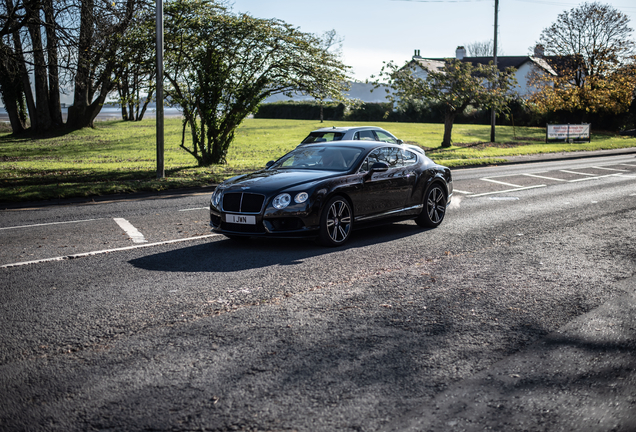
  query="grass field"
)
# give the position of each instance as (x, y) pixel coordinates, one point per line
(120, 157)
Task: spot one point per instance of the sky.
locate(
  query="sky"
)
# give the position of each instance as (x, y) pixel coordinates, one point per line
(381, 30)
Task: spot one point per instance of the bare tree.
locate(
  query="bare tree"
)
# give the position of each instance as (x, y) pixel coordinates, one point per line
(48, 47)
(482, 49)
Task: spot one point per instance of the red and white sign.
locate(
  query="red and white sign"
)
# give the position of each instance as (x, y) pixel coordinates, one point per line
(566, 132)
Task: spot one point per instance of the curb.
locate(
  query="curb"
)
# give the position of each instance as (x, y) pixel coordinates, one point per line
(556, 157)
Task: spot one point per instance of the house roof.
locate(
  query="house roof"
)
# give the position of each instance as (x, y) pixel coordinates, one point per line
(503, 62)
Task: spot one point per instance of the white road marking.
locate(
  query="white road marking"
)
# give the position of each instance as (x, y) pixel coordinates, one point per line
(578, 173)
(544, 177)
(461, 192)
(595, 178)
(132, 232)
(500, 182)
(509, 190)
(105, 251)
(198, 208)
(609, 169)
(49, 223)
(628, 165)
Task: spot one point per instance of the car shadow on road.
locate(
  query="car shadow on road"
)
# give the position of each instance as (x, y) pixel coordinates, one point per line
(230, 255)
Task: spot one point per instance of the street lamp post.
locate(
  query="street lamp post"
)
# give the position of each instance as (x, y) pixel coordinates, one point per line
(160, 167)
(493, 117)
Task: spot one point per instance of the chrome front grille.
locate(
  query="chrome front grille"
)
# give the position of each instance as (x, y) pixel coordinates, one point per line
(242, 202)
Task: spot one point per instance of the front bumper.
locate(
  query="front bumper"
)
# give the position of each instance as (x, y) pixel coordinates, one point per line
(278, 224)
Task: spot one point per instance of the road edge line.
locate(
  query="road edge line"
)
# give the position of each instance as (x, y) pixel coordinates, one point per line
(104, 251)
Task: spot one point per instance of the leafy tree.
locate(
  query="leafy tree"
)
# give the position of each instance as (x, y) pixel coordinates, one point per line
(592, 52)
(331, 42)
(220, 66)
(455, 87)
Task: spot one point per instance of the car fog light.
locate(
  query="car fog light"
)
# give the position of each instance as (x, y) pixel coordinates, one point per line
(301, 197)
(281, 201)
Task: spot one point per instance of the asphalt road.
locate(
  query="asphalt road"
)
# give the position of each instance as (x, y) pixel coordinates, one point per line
(517, 313)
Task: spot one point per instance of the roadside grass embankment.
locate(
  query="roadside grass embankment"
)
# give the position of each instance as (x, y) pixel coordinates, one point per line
(120, 157)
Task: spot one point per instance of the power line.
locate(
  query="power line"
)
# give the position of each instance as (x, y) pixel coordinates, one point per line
(544, 2)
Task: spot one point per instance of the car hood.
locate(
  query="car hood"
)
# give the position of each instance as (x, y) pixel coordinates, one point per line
(272, 181)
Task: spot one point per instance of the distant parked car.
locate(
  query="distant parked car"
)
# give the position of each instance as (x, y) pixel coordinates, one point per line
(324, 190)
(351, 133)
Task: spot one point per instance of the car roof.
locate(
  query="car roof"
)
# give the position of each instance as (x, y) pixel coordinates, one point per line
(357, 143)
(347, 128)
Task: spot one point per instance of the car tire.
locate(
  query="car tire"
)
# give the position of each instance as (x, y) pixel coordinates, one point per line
(435, 202)
(336, 222)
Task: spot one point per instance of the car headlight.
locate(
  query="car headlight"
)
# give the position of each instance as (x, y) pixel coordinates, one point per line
(301, 197)
(281, 201)
(216, 197)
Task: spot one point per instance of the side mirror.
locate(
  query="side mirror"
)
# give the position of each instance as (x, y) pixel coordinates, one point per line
(379, 167)
(400, 141)
(269, 164)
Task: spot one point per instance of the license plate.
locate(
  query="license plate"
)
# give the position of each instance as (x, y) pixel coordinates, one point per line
(240, 219)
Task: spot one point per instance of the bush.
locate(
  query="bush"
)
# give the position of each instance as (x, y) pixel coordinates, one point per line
(300, 110)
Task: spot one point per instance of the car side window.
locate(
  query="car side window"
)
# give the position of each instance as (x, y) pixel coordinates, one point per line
(408, 158)
(372, 158)
(391, 156)
(385, 137)
(364, 136)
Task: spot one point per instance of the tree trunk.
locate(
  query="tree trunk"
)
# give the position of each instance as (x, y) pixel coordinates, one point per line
(39, 71)
(11, 89)
(55, 107)
(78, 113)
(24, 75)
(449, 119)
(145, 106)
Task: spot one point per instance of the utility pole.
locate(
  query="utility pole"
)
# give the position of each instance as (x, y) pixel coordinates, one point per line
(493, 117)
(160, 169)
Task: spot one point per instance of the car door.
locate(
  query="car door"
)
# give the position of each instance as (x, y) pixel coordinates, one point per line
(381, 192)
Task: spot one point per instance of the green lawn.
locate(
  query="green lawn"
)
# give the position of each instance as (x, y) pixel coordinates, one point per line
(120, 157)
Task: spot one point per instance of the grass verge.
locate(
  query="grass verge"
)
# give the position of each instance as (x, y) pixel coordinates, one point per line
(120, 157)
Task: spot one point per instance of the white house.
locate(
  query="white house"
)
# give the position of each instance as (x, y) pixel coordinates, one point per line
(526, 66)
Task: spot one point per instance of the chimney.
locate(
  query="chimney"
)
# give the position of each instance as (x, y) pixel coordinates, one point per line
(417, 55)
(460, 53)
(538, 51)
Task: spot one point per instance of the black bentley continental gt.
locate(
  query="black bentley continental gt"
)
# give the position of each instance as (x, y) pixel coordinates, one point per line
(325, 190)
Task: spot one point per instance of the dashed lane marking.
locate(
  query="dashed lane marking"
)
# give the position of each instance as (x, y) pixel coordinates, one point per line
(132, 232)
(49, 223)
(609, 169)
(500, 182)
(595, 178)
(579, 173)
(105, 251)
(508, 190)
(198, 208)
(544, 177)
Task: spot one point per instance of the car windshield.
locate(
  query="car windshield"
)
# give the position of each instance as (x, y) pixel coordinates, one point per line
(317, 137)
(330, 158)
